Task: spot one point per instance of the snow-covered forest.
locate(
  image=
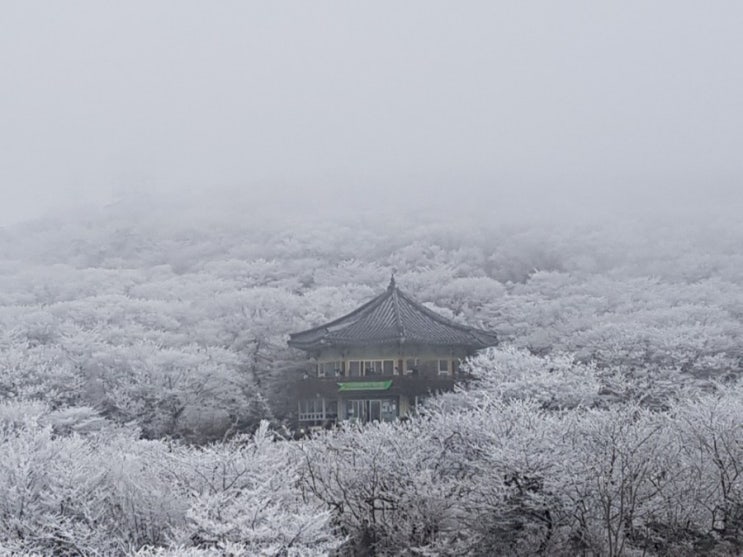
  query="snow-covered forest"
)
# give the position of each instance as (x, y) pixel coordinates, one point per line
(144, 374)
(374, 279)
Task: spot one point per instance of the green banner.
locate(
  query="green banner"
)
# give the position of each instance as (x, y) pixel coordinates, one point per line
(365, 385)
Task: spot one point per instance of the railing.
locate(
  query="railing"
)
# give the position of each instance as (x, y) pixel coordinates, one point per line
(311, 416)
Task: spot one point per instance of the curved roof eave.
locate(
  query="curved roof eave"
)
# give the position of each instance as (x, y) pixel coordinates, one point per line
(392, 317)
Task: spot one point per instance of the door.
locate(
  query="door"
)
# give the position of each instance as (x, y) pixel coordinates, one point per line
(364, 410)
(375, 410)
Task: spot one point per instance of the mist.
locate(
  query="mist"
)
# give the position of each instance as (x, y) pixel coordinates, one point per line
(371, 278)
(537, 108)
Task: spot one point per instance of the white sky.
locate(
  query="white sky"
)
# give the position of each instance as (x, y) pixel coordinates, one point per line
(578, 102)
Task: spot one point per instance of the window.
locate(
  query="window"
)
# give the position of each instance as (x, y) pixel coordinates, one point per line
(371, 410)
(443, 367)
(311, 409)
(372, 368)
(354, 368)
(330, 369)
(358, 368)
(379, 367)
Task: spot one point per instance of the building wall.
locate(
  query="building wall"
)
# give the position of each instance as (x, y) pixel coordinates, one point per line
(414, 370)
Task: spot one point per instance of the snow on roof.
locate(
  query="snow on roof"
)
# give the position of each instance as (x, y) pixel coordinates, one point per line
(392, 317)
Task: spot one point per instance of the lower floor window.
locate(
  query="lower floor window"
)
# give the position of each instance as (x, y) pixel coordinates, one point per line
(311, 409)
(381, 410)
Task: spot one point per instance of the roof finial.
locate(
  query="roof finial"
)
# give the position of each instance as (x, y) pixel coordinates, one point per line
(392, 282)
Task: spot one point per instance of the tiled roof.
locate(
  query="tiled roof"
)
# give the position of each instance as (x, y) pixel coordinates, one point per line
(392, 317)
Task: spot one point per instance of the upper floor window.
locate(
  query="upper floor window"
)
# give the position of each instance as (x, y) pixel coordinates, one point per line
(411, 365)
(357, 368)
(330, 369)
(415, 366)
(354, 368)
(373, 367)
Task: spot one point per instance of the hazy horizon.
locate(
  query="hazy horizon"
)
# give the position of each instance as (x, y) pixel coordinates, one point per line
(538, 108)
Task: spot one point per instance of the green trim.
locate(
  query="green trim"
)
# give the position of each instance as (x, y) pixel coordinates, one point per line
(365, 385)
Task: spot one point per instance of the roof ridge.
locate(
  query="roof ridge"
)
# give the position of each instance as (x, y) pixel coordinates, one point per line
(392, 316)
(371, 304)
(398, 315)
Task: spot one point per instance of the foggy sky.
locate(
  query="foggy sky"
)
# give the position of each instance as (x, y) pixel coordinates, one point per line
(580, 103)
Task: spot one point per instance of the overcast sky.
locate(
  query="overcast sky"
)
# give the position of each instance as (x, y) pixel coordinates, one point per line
(590, 102)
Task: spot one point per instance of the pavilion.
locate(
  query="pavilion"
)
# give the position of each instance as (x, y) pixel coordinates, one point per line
(380, 360)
